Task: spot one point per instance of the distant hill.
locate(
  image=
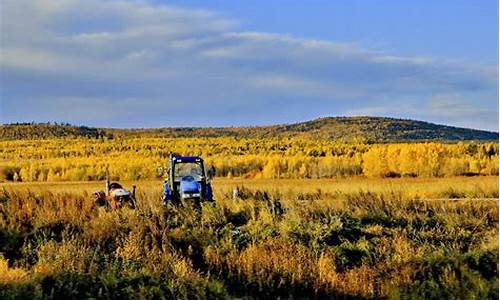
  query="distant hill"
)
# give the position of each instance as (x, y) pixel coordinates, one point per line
(23, 131)
(370, 129)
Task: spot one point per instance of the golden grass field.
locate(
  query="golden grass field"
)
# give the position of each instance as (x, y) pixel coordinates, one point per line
(349, 238)
(419, 188)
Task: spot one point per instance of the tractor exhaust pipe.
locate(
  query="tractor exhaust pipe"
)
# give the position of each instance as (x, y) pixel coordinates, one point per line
(107, 183)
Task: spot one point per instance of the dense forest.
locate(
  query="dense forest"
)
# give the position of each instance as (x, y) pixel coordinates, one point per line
(25, 131)
(367, 129)
(138, 158)
(323, 148)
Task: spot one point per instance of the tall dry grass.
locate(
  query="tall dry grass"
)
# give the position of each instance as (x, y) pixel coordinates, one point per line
(355, 243)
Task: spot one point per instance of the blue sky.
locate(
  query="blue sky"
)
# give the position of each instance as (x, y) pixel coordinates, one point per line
(228, 63)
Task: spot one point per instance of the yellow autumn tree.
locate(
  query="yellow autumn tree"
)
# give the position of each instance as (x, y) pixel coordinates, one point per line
(375, 162)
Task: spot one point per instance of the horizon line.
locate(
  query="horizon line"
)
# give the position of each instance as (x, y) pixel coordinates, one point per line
(243, 126)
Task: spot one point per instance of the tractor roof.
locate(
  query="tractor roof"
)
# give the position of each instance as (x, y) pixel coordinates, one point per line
(182, 159)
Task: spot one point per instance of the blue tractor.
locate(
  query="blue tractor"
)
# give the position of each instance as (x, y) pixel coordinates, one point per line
(187, 180)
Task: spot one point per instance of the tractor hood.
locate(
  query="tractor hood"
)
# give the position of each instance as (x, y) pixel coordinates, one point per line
(189, 185)
(120, 192)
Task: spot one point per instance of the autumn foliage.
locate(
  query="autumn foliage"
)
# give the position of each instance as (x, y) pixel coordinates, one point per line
(80, 159)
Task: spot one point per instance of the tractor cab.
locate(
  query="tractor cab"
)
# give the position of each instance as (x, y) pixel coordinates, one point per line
(187, 180)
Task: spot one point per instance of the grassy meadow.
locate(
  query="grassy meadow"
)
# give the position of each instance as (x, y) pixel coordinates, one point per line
(477, 187)
(349, 238)
(314, 219)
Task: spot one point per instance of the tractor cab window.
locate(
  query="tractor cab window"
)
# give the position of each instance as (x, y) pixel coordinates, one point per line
(115, 185)
(188, 169)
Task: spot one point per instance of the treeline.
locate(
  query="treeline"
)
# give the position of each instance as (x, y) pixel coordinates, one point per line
(136, 159)
(431, 160)
(366, 129)
(23, 131)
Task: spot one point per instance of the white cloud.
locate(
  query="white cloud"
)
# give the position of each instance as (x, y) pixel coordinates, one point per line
(450, 108)
(175, 57)
(454, 105)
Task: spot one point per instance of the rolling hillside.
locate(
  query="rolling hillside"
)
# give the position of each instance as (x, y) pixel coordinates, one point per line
(371, 129)
(23, 131)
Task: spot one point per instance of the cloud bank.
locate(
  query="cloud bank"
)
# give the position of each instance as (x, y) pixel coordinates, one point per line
(139, 64)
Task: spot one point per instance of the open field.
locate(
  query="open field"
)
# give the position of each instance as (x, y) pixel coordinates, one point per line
(179, 150)
(314, 219)
(417, 188)
(336, 238)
